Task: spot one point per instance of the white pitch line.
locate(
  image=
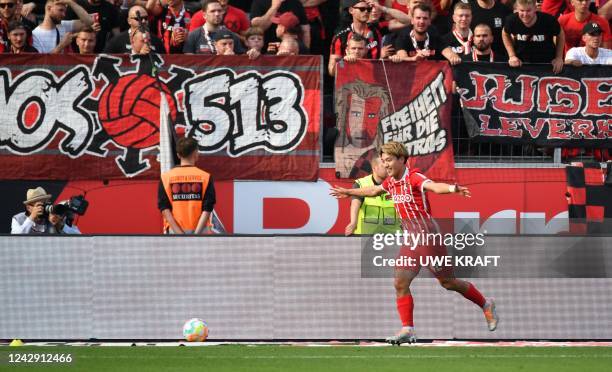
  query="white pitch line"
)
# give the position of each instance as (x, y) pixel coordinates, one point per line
(289, 357)
(435, 344)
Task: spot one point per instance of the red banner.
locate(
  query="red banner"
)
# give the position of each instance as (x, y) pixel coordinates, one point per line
(528, 201)
(378, 102)
(73, 117)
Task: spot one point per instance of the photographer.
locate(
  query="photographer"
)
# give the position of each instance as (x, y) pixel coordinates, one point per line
(35, 220)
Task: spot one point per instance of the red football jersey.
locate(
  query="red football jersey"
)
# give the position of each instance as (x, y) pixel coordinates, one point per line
(410, 200)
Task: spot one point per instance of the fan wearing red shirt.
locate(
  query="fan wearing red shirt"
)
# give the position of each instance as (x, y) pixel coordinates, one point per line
(234, 19)
(556, 7)
(573, 23)
(407, 187)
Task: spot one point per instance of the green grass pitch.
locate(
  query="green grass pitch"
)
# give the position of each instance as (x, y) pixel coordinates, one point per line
(312, 359)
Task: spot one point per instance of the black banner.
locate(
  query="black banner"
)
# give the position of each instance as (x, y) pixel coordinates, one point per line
(530, 105)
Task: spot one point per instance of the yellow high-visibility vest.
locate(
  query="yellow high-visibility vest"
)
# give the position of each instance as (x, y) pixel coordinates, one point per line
(377, 213)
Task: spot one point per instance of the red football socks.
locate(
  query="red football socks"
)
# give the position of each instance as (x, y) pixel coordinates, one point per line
(405, 307)
(474, 295)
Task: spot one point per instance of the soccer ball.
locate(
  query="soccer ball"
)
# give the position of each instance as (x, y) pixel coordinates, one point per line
(195, 330)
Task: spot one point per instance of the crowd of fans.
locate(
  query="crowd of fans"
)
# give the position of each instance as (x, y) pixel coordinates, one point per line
(513, 31)
(401, 30)
(277, 27)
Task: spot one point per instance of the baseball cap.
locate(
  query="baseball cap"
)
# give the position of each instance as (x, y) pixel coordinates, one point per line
(222, 35)
(287, 19)
(592, 28)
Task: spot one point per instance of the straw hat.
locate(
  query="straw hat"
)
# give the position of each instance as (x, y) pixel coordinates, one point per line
(36, 195)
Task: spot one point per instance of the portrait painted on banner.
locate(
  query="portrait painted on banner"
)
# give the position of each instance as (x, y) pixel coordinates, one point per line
(360, 106)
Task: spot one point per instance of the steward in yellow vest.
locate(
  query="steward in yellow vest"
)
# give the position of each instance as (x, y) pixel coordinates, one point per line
(186, 195)
(373, 214)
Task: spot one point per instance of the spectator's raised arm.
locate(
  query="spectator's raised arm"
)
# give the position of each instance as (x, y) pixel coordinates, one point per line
(264, 21)
(84, 18)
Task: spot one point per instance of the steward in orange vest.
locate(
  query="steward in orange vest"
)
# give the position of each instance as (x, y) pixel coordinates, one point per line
(186, 195)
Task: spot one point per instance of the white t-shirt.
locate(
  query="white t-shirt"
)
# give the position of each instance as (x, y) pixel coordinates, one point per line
(604, 57)
(46, 40)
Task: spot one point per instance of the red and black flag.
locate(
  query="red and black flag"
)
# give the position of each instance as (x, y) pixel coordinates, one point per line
(589, 199)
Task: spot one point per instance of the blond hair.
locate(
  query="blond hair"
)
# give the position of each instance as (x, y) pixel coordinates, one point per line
(525, 2)
(394, 149)
(253, 31)
(462, 5)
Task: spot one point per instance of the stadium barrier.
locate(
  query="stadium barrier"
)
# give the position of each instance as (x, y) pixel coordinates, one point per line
(277, 287)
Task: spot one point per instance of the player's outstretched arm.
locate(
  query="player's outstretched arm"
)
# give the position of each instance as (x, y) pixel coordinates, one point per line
(445, 188)
(341, 192)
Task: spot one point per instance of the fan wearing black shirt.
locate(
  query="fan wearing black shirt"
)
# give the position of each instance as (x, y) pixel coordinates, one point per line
(461, 37)
(262, 12)
(18, 39)
(481, 50)
(531, 36)
(493, 13)
(107, 15)
(122, 43)
(420, 41)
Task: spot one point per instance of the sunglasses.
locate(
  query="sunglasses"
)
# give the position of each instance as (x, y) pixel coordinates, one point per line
(140, 19)
(363, 9)
(7, 5)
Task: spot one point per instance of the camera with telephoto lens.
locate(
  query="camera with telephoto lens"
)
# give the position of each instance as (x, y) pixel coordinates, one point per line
(75, 205)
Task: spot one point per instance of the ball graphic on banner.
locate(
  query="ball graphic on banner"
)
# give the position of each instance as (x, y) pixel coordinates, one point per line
(129, 110)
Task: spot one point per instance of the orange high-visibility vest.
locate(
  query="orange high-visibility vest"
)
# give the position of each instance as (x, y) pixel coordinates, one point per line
(185, 188)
